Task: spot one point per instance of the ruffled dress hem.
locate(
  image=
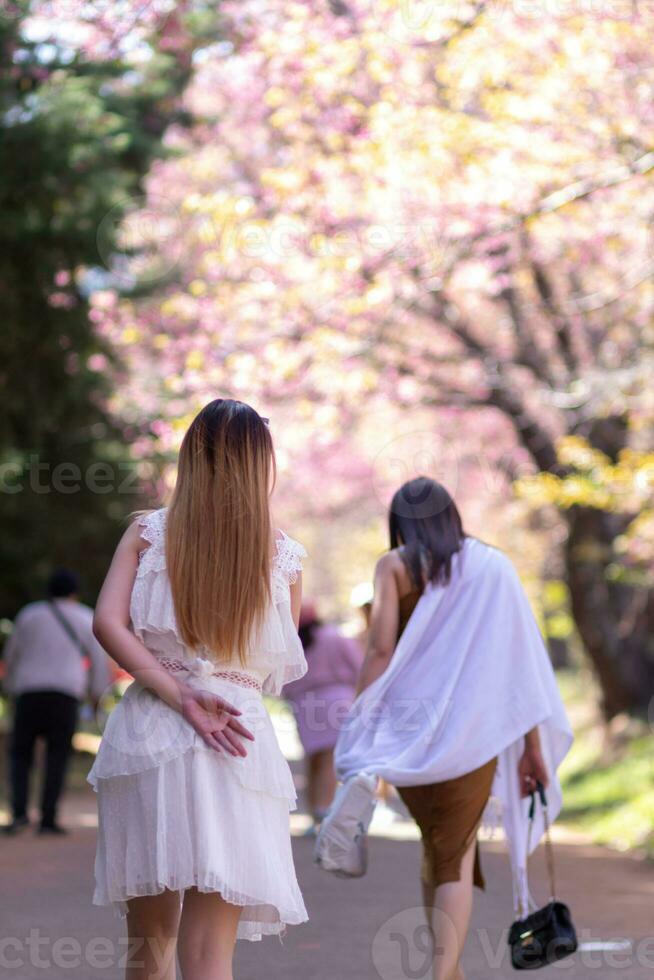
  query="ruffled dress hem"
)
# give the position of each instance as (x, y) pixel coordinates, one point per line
(210, 884)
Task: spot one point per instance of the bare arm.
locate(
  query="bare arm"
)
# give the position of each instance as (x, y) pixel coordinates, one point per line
(384, 622)
(112, 630)
(211, 716)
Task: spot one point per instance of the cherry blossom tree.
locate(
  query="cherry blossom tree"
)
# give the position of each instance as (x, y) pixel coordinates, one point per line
(413, 208)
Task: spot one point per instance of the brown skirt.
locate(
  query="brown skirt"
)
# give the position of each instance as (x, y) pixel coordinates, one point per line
(448, 815)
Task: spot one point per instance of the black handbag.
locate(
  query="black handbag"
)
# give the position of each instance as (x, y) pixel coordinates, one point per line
(548, 934)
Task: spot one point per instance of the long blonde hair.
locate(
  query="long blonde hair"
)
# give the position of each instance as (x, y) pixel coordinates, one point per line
(218, 529)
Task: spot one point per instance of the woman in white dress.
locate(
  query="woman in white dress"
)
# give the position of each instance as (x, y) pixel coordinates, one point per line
(200, 605)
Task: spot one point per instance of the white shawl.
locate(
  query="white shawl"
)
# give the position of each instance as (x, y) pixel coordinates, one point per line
(469, 677)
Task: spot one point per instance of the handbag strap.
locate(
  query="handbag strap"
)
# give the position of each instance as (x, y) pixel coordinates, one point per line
(549, 850)
(68, 629)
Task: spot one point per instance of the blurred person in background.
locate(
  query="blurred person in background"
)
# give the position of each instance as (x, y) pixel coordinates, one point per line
(51, 659)
(320, 700)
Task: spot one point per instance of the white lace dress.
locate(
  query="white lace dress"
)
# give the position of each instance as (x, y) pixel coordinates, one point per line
(174, 813)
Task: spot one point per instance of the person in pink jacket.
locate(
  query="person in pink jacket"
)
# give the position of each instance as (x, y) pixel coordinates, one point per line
(320, 701)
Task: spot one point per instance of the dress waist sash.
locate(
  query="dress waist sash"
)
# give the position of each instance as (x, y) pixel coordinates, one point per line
(206, 668)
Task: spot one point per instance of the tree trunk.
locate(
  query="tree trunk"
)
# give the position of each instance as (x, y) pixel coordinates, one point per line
(559, 652)
(615, 620)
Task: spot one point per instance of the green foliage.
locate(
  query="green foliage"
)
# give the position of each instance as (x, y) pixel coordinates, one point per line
(589, 478)
(608, 777)
(77, 136)
(555, 599)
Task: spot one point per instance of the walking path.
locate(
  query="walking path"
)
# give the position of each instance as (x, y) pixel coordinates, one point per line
(368, 929)
(359, 930)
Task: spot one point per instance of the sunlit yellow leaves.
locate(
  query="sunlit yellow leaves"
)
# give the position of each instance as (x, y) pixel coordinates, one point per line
(354, 306)
(182, 422)
(194, 360)
(380, 69)
(275, 97)
(554, 597)
(178, 307)
(304, 408)
(197, 287)
(284, 179)
(563, 492)
(193, 202)
(207, 232)
(130, 335)
(282, 361)
(211, 258)
(593, 480)
(335, 142)
(575, 451)
(368, 379)
(283, 117)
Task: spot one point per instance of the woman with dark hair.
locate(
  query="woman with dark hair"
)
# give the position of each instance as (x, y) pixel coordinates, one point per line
(457, 701)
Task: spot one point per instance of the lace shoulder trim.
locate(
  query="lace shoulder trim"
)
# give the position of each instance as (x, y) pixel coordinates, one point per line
(153, 530)
(288, 560)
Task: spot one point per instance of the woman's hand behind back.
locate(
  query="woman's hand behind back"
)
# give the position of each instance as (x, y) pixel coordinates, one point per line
(215, 720)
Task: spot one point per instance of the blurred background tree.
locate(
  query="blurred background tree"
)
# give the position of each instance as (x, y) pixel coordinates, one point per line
(419, 239)
(426, 242)
(83, 115)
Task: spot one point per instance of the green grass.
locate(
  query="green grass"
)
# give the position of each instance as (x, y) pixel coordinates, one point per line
(608, 776)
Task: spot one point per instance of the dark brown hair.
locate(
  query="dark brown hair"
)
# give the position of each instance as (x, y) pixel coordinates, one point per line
(425, 524)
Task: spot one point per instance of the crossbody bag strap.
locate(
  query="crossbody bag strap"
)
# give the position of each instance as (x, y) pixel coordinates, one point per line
(70, 632)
